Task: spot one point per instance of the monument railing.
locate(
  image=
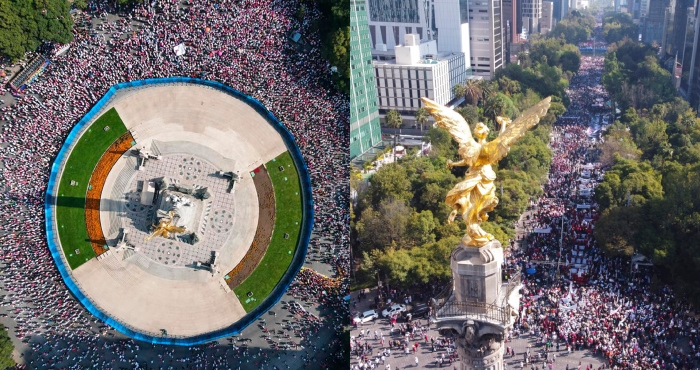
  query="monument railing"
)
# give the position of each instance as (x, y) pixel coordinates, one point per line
(474, 310)
(441, 298)
(513, 282)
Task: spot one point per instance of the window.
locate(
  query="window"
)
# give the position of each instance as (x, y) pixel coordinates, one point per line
(483, 11)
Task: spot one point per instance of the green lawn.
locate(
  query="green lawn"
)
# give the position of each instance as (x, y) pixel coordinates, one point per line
(288, 208)
(70, 202)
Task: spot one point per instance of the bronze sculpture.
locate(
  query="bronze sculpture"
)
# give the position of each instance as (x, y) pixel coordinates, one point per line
(165, 228)
(475, 196)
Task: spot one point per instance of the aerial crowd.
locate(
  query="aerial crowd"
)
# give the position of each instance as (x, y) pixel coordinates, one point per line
(244, 44)
(574, 297)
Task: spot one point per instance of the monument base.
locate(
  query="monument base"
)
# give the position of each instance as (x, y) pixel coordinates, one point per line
(492, 360)
(476, 272)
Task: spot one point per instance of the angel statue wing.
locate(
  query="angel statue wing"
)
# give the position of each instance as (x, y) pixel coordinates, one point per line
(499, 147)
(455, 124)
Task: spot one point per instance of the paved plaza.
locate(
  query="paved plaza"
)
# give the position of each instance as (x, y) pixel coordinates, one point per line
(428, 359)
(156, 285)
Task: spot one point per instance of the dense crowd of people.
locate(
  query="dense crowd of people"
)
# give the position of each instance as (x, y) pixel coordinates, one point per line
(576, 298)
(242, 43)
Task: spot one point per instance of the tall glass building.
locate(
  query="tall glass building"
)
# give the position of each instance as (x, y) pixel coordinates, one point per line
(365, 131)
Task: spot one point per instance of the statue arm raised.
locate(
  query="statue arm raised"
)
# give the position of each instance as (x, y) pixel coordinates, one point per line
(461, 163)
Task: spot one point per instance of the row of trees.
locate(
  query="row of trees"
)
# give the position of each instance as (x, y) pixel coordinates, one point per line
(334, 28)
(634, 78)
(575, 28)
(24, 24)
(399, 226)
(650, 195)
(617, 26)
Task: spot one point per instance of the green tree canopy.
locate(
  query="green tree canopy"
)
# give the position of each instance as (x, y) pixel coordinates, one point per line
(24, 24)
(618, 26)
(628, 182)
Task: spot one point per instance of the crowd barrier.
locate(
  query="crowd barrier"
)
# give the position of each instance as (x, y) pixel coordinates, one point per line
(250, 317)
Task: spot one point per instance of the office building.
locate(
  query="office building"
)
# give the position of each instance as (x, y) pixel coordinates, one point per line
(416, 70)
(486, 37)
(547, 21)
(531, 14)
(365, 131)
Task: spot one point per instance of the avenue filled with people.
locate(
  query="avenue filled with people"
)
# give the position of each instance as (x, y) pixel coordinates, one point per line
(574, 297)
(244, 44)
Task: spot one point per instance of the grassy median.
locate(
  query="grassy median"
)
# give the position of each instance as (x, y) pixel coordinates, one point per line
(70, 201)
(288, 220)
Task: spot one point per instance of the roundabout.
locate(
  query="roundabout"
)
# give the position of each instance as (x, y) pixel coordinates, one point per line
(178, 210)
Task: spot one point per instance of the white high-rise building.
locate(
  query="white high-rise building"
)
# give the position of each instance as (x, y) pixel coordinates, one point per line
(445, 21)
(470, 27)
(416, 70)
(391, 20)
(531, 14)
(486, 39)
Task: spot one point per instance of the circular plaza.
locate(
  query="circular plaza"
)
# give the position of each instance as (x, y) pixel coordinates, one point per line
(178, 210)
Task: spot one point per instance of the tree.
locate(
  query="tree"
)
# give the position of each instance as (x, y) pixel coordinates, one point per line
(391, 182)
(498, 105)
(6, 348)
(80, 4)
(335, 45)
(508, 86)
(618, 141)
(459, 90)
(12, 37)
(441, 142)
(629, 183)
(25, 24)
(473, 91)
(394, 120)
(384, 227)
(618, 26)
(617, 230)
(422, 117)
(470, 114)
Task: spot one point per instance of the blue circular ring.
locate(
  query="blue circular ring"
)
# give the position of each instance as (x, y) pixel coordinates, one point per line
(280, 288)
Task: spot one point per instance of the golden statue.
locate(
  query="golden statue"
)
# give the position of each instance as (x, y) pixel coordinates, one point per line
(474, 197)
(165, 228)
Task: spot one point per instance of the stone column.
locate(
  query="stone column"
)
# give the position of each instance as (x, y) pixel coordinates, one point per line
(477, 272)
(477, 278)
(491, 361)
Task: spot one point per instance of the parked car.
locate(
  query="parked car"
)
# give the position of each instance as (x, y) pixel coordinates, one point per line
(394, 310)
(418, 310)
(366, 316)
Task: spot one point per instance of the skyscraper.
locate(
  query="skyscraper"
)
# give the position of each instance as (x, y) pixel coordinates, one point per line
(531, 14)
(486, 37)
(365, 131)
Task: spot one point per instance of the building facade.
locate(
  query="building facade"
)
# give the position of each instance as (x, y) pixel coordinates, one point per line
(486, 37)
(365, 131)
(531, 12)
(403, 80)
(547, 20)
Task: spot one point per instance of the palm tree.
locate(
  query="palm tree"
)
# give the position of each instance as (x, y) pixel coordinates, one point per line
(459, 90)
(394, 119)
(472, 92)
(494, 106)
(422, 116)
(470, 114)
(487, 90)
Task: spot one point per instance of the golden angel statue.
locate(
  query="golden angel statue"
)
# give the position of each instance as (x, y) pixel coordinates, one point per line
(475, 196)
(165, 227)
